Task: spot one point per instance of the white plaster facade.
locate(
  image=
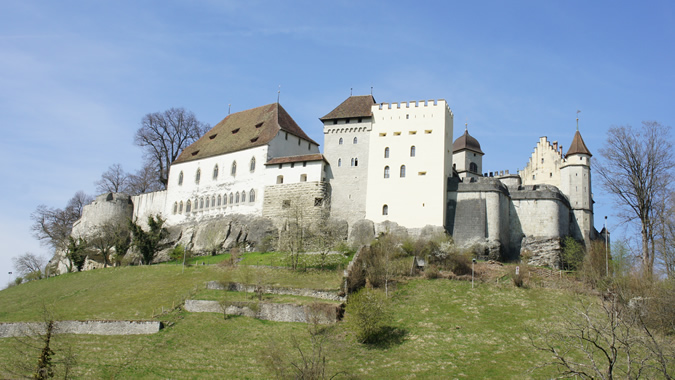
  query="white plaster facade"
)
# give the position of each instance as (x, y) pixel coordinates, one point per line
(544, 165)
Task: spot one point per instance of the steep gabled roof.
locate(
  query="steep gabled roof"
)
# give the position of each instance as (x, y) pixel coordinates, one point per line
(578, 146)
(243, 130)
(289, 159)
(468, 142)
(354, 106)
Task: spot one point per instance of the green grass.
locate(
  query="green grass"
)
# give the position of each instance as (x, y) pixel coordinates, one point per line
(451, 330)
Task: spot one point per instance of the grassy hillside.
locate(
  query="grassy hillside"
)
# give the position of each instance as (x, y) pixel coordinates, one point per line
(449, 330)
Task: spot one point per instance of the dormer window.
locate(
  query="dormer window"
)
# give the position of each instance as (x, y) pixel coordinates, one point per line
(195, 152)
(213, 136)
(258, 125)
(254, 139)
(235, 130)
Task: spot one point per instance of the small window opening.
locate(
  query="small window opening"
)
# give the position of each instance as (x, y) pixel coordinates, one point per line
(213, 136)
(385, 210)
(235, 130)
(286, 204)
(318, 202)
(280, 179)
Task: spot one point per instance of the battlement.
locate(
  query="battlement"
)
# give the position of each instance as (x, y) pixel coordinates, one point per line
(410, 104)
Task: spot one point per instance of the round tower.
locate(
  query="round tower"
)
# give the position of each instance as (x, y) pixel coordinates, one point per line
(467, 157)
(575, 183)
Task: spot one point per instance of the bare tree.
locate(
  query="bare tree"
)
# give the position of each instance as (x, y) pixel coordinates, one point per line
(30, 266)
(636, 168)
(145, 180)
(164, 135)
(52, 226)
(113, 180)
(665, 234)
(605, 341)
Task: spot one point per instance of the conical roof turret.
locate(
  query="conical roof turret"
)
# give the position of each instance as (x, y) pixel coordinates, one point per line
(578, 146)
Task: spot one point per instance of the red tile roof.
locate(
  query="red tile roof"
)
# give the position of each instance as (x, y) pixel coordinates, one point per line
(243, 130)
(578, 146)
(289, 159)
(354, 106)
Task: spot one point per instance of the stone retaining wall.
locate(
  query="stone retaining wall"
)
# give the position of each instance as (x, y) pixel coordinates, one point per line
(238, 287)
(277, 312)
(81, 327)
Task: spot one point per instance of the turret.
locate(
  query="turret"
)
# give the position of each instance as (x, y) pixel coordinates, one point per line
(575, 183)
(467, 157)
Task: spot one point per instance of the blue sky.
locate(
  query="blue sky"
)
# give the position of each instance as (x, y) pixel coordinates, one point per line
(76, 77)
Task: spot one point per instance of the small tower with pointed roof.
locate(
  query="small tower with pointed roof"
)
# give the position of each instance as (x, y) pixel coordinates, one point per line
(575, 183)
(467, 157)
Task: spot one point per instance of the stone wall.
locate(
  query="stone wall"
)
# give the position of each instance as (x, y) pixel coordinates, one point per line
(277, 312)
(81, 327)
(304, 201)
(109, 207)
(238, 287)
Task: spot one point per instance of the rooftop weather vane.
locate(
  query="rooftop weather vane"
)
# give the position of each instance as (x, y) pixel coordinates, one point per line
(278, 94)
(578, 119)
(229, 108)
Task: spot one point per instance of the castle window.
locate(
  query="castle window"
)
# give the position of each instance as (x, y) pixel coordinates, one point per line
(356, 162)
(550, 175)
(454, 166)
(213, 201)
(347, 121)
(236, 198)
(299, 141)
(215, 172)
(352, 162)
(180, 207)
(235, 130)
(386, 172)
(207, 202)
(259, 125)
(252, 165)
(286, 136)
(180, 179)
(334, 121)
(542, 160)
(303, 177)
(340, 141)
(407, 116)
(201, 203)
(292, 164)
(198, 175)
(243, 196)
(402, 173)
(280, 179)
(175, 207)
(473, 167)
(533, 176)
(225, 200)
(386, 152)
(231, 198)
(309, 146)
(286, 204)
(412, 151)
(281, 166)
(304, 164)
(397, 133)
(412, 132)
(188, 206)
(220, 200)
(385, 210)
(383, 134)
(355, 140)
(360, 120)
(427, 131)
(318, 202)
(251, 196)
(234, 168)
(339, 162)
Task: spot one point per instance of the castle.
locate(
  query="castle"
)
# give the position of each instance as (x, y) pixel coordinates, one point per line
(394, 164)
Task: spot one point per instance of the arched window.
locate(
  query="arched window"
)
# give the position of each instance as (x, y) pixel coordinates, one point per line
(213, 201)
(198, 176)
(385, 210)
(225, 200)
(234, 168)
(339, 162)
(208, 202)
(231, 198)
(220, 200)
(188, 206)
(180, 179)
(356, 161)
(180, 207)
(386, 152)
(243, 196)
(340, 142)
(201, 203)
(355, 140)
(386, 172)
(412, 151)
(473, 167)
(280, 179)
(352, 164)
(251, 196)
(402, 173)
(236, 198)
(175, 207)
(252, 164)
(215, 172)
(303, 177)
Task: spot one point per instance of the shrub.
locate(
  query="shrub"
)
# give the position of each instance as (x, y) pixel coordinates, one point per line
(368, 312)
(431, 272)
(177, 253)
(572, 254)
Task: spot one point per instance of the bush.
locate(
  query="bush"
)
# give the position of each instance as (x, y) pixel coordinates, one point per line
(177, 253)
(431, 272)
(572, 254)
(368, 312)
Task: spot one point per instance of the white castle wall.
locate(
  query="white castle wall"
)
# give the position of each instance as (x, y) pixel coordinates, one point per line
(149, 204)
(295, 172)
(348, 170)
(576, 184)
(418, 199)
(105, 208)
(544, 165)
(286, 144)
